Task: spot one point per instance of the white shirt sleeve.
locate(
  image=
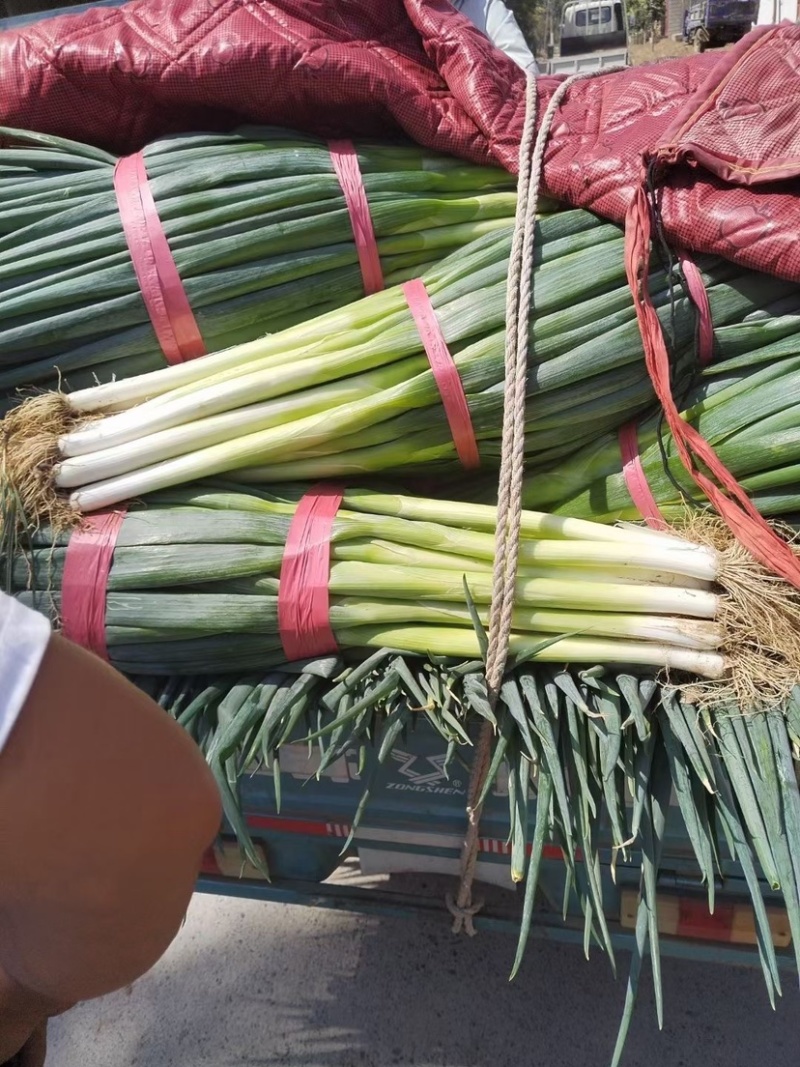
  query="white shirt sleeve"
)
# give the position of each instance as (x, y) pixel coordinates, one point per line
(502, 29)
(24, 635)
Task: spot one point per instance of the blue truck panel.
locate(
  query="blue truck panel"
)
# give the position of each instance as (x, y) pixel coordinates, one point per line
(414, 825)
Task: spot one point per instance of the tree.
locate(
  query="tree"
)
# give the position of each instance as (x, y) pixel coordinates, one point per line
(646, 13)
(537, 19)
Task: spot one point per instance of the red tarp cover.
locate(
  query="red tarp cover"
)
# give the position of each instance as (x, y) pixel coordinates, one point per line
(727, 124)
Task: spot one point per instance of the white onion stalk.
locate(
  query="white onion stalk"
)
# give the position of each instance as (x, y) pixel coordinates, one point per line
(577, 650)
(430, 585)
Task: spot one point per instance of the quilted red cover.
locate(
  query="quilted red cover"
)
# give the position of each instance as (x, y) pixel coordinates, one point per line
(725, 126)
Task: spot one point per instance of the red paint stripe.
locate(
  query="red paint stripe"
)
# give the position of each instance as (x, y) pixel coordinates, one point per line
(696, 921)
(295, 826)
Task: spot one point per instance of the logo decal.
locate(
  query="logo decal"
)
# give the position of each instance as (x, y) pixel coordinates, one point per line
(424, 773)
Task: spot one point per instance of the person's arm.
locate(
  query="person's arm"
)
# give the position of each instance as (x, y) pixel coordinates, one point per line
(106, 807)
(500, 25)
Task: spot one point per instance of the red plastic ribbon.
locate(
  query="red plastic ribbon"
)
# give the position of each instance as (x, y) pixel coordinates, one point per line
(87, 565)
(632, 469)
(635, 478)
(451, 389)
(303, 599)
(699, 297)
(345, 163)
(726, 496)
(162, 289)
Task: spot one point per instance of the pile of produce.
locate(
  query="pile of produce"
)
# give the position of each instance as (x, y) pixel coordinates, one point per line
(684, 662)
(257, 224)
(352, 391)
(196, 578)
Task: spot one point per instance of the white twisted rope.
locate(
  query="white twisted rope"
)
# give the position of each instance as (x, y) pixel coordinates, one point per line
(512, 464)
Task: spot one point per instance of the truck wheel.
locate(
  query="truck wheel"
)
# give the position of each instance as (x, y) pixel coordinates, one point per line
(699, 42)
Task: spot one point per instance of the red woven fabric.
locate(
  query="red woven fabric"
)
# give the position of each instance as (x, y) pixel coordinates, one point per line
(724, 125)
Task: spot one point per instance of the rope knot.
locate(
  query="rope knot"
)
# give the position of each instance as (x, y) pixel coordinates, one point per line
(463, 916)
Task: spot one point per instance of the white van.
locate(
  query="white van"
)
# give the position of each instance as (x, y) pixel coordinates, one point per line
(593, 26)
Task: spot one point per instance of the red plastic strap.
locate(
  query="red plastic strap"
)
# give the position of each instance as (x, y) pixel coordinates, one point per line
(345, 163)
(699, 296)
(635, 478)
(87, 565)
(445, 372)
(162, 289)
(303, 600)
(725, 494)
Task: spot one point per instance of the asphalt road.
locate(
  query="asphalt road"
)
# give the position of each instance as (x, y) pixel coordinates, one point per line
(263, 985)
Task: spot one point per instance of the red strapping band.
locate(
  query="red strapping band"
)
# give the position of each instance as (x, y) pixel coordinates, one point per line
(445, 372)
(632, 469)
(303, 599)
(162, 289)
(725, 494)
(87, 565)
(345, 164)
(635, 478)
(699, 297)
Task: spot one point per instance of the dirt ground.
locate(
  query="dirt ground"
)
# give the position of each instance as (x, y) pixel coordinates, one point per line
(664, 49)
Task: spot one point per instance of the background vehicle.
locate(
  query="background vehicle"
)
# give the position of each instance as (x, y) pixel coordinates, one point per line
(712, 23)
(593, 34)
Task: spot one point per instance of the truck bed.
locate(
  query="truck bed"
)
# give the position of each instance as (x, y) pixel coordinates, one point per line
(404, 857)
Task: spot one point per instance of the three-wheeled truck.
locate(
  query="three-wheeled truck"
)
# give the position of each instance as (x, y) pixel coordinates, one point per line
(714, 23)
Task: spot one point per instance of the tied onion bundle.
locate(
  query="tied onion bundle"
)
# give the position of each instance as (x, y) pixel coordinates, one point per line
(745, 408)
(258, 226)
(196, 578)
(352, 391)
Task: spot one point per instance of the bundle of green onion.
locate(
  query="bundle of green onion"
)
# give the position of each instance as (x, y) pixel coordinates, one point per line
(745, 408)
(352, 391)
(196, 577)
(42, 175)
(256, 221)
